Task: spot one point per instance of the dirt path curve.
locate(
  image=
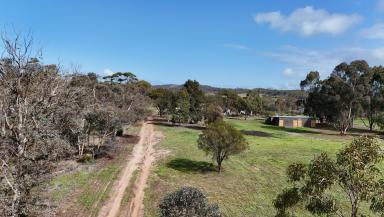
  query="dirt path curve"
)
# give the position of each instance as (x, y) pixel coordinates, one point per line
(140, 151)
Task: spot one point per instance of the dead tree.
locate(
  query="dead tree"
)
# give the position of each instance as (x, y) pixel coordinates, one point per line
(29, 99)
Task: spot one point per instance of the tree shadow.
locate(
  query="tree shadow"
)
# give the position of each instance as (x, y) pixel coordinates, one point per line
(129, 138)
(256, 133)
(169, 124)
(300, 130)
(324, 130)
(191, 166)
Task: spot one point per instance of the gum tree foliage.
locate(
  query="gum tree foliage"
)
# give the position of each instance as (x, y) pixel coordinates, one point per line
(72, 114)
(187, 202)
(121, 78)
(181, 107)
(254, 103)
(379, 120)
(221, 140)
(213, 113)
(355, 171)
(196, 100)
(230, 101)
(144, 87)
(162, 99)
(101, 108)
(337, 98)
(185, 106)
(31, 95)
(100, 123)
(373, 96)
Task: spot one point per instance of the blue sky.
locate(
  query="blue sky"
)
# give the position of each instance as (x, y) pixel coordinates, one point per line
(226, 43)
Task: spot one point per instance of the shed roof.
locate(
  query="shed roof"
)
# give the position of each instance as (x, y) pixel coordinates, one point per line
(287, 116)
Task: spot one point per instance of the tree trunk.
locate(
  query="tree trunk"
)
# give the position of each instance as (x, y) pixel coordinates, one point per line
(343, 132)
(354, 209)
(15, 201)
(219, 166)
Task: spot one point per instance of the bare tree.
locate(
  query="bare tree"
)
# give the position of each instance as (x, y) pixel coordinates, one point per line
(29, 139)
(45, 116)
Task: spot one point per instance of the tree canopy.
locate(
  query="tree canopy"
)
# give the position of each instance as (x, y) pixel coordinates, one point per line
(221, 140)
(351, 90)
(355, 171)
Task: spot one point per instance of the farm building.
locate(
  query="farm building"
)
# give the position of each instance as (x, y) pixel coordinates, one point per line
(291, 121)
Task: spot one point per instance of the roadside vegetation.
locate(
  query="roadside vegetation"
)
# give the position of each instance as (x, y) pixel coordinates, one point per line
(48, 115)
(83, 191)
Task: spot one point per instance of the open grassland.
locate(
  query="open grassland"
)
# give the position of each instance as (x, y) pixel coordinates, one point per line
(251, 180)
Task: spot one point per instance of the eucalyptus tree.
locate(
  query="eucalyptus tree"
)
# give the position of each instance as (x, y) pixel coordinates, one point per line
(356, 172)
(221, 140)
(337, 98)
(196, 100)
(372, 102)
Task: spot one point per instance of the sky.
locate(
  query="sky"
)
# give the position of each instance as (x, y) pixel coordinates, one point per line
(224, 43)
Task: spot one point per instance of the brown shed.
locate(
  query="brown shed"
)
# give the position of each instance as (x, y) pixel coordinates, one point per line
(291, 121)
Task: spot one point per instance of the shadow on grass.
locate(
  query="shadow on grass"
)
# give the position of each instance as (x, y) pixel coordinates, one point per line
(290, 130)
(256, 133)
(191, 166)
(324, 130)
(169, 124)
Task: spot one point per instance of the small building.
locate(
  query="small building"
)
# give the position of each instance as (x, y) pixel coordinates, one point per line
(291, 121)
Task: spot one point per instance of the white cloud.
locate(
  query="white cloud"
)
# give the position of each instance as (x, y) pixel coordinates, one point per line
(107, 72)
(288, 72)
(379, 53)
(299, 61)
(374, 32)
(308, 21)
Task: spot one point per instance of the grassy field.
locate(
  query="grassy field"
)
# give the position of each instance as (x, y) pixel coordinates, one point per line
(251, 180)
(362, 123)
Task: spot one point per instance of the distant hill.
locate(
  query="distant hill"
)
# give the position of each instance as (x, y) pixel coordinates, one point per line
(209, 90)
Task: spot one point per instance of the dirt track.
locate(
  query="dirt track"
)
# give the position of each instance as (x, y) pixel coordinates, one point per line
(143, 157)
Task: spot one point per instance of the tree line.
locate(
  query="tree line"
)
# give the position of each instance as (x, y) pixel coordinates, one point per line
(190, 105)
(352, 90)
(47, 115)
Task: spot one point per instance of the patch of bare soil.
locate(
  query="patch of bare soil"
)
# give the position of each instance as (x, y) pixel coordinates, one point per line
(136, 206)
(143, 156)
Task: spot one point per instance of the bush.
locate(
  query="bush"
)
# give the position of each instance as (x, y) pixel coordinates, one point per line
(86, 158)
(214, 113)
(221, 140)
(187, 202)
